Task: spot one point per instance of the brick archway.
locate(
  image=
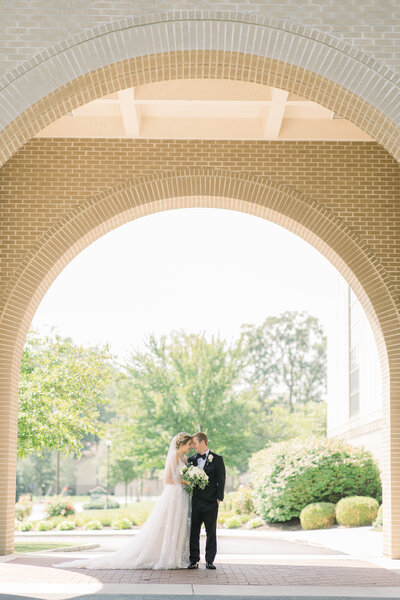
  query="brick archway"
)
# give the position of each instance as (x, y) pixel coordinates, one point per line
(199, 44)
(188, 188)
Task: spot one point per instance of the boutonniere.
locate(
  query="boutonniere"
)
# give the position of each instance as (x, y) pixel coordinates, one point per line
(210, 458)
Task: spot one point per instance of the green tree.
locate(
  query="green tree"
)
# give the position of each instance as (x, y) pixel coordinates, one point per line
(306, 420)
(123, 469)
(61, 388)
(286, 358)
(185, 383)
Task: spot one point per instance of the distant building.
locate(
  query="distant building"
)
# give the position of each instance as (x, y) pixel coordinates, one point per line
(354, 382)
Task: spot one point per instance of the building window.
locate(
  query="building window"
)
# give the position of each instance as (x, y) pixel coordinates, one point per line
(354, 354)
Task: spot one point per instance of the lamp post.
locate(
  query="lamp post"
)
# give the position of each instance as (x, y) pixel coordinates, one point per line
(108, 444)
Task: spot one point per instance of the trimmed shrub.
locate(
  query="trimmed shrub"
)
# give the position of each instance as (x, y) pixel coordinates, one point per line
(254, 523)
(289, 475)
(93, 525)
(122, 524)
(242, 501)
(378, 523)
(227, 503)
(101, 505)
(45, 525)
(26, 526)
(60, 506)
(66, 526)
(233, 522)
(223, 516)
(356, 511)
(23, 507)
(318, 515)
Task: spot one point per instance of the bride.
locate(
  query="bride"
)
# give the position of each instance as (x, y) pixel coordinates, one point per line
(163, 540)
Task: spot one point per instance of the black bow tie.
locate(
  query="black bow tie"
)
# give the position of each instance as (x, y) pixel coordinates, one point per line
(200, 456)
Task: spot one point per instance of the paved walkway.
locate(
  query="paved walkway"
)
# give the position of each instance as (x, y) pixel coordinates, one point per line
(312, 571)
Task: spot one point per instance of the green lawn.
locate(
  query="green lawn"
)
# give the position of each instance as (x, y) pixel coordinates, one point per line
(35, 546)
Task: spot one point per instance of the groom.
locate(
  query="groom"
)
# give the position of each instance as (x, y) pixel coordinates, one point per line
(205, 502)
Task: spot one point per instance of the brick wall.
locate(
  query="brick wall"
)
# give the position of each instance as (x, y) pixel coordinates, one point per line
(30, 26)
(358, 181)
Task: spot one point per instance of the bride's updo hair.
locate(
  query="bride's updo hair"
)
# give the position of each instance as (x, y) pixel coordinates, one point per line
(182, 439)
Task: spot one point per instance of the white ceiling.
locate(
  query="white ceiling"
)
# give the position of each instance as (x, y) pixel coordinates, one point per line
(204, 109)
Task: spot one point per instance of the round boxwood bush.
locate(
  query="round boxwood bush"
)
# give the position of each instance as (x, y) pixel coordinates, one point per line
(378, 523)
(242, 501)
(318, 515)
(93, 525)
(45, 525)
(356, 511)
(233, 522)
(254, 523)
(66, 526)
(101, 505)
(287, 476)
(122, 524)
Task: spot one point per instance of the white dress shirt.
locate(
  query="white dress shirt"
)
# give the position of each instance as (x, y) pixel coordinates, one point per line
(202, 461)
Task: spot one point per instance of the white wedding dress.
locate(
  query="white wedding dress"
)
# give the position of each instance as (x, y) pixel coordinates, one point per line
(163, 540)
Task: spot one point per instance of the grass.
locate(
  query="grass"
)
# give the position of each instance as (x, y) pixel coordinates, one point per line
(35, 546)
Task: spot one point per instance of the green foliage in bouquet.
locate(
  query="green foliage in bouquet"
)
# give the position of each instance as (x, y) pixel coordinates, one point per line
(289, 475)
(195, 477)
(356, 511)
(318, 515)
(60, 506)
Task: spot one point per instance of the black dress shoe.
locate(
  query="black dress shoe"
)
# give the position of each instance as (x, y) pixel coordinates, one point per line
(210, 566)
(193, 565)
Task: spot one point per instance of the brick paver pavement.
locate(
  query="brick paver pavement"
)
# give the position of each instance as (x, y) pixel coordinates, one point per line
(334, 573)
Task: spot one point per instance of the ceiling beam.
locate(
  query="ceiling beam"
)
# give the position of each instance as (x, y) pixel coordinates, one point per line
(273, 122)
(129, 112)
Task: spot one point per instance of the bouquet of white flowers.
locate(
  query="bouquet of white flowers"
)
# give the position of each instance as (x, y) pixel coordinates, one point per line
(194, 476)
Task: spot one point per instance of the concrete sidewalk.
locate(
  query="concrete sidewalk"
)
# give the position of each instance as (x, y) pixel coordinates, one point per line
(332, 574)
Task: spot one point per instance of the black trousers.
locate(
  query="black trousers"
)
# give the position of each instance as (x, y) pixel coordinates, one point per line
(207, 513)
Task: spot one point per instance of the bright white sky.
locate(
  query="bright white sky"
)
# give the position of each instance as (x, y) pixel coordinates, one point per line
(199, 269)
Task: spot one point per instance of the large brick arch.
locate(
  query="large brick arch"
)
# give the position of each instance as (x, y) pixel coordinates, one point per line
(179, 45)
(189, 188)
(205, 44)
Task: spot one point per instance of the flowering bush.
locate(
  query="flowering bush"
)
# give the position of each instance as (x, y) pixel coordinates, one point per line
(60, 506)
(23, 507)
(289, 475)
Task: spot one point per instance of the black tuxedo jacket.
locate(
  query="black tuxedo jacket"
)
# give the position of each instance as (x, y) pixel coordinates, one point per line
(215, 470)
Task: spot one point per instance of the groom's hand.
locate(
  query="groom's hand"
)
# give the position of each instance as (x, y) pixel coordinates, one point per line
(219, 502)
